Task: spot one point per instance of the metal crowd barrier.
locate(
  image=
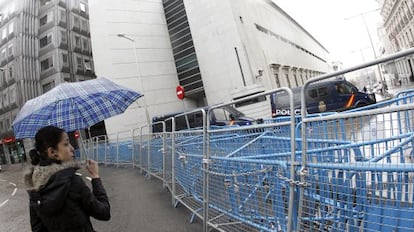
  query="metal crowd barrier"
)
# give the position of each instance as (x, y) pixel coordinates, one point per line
(347, 171)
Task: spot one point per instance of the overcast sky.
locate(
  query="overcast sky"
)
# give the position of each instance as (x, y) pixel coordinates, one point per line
(325, 20)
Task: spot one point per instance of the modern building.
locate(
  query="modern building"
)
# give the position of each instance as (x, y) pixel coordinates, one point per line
(218, 50)
(43, 43)
(398, 22)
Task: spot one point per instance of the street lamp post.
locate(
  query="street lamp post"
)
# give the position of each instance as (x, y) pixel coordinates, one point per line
(370, 38)
(122, 35)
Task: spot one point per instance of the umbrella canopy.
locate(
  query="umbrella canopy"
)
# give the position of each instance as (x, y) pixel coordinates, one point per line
(73, 106)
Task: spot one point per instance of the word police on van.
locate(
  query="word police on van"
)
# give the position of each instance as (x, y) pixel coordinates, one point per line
(325, 96)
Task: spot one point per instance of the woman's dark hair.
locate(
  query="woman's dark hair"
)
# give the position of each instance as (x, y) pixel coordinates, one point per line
(46, 137)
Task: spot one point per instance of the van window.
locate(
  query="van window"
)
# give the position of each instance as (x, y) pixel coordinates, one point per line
(343, 89)
(313, 93)
(323, 92)
(282, 98)
(221, 114)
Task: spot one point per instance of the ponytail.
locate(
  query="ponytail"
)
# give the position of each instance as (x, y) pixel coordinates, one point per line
(34, 156)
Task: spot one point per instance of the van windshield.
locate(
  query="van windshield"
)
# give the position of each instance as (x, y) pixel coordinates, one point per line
(281, 99)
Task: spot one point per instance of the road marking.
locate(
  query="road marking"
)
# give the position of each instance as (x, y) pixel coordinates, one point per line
(4, 202)
(14, 191)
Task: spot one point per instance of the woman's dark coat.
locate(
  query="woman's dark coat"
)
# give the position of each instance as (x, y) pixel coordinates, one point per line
(61, 201)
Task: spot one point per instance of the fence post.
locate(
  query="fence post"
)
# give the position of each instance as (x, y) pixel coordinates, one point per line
(117, 149)
(106, 151)
(164, 148)
(132, 148)
(149, 154)
(292, 160)
(205, 165)
(173, 160)
(140, 151)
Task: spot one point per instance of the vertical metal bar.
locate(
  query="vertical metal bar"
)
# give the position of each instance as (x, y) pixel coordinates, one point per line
(164, 149)
(205, 165)
(132, 149)
(140, 152)
(292, 160)
(106, 151)
(173, 160)
(117, 149)
(149, 154)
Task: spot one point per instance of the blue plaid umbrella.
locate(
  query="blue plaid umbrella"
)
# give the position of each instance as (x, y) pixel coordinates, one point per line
(73, 106)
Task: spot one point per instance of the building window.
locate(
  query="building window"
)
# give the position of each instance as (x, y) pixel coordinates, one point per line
(12, 95)
(82, 7)
(3, 54)
(43, 20)
(7, 124)
(84, 27)
(79, 63)
(1, 125)
(44, 2)
(46, 64)
(10, 49)
(77, 41)
(64, 58)
(85, 44)
(48, 86)
(76, 22)
(4, 34)
(11, 72)
(45, 40)
(62, 15)
(88, 65)
(11, 28)
(63, 37)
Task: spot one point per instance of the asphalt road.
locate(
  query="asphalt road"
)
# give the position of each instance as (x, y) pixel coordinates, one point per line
(137, 204)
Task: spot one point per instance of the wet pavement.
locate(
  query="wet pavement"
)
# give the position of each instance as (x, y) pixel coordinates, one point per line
(137, 204)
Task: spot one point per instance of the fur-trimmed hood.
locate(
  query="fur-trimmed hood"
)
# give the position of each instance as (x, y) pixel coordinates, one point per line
(48, 186)
(35, 177)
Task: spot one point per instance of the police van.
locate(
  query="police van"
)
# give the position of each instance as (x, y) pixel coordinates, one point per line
(223, 116)
(324, 96)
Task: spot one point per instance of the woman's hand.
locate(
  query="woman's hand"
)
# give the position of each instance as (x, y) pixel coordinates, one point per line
(93, 169)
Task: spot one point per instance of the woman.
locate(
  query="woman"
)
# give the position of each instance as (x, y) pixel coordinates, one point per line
(59, 199)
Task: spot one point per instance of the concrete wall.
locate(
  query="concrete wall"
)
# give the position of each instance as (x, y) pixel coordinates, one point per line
(143, 21)
(220, 26)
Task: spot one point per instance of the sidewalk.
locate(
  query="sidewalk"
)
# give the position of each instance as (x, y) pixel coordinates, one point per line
(137, 204)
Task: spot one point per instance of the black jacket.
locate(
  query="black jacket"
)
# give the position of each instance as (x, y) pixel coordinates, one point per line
(60, 201)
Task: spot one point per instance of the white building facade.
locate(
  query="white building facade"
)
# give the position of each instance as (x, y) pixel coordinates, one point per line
(218, 50)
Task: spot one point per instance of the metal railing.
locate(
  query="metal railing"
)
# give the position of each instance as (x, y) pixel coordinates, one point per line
(347, 171)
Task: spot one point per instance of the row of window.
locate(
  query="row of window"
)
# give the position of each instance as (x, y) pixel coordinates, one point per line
(8, 97)
(7, 30)
(7, 10)
(80, 62)
(283, 39)
(6, 52)
(82, 5)
(77, 21)
(80, 42)
(400, 18)
(7, 74)
(5, 125)
(292, 78)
